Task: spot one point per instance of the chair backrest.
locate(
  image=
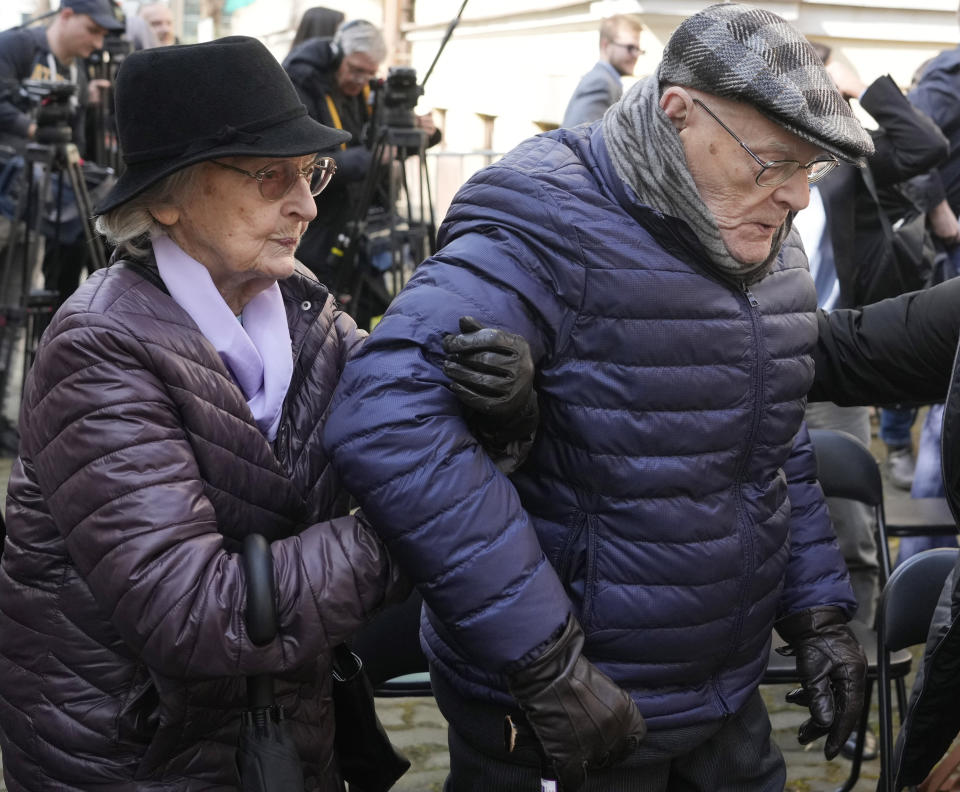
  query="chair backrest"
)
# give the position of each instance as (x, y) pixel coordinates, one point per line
(846, 468)
(910, 597)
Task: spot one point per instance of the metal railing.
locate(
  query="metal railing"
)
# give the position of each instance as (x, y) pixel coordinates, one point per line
(447, 172)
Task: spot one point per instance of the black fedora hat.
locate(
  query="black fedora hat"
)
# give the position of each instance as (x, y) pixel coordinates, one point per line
(177, 106)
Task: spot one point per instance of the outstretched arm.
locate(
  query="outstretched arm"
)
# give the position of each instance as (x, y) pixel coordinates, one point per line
(896, 351)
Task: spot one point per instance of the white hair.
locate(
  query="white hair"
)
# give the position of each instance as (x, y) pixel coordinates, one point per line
(130, 225)
(358, 35)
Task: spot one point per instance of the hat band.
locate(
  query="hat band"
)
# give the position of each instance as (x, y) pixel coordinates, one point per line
(225, 135)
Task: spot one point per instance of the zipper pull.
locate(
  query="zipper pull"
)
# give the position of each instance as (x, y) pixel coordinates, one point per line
(749, 295)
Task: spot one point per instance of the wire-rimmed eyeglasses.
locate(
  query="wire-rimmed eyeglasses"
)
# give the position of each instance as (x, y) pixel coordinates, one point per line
(276, 179)
(778, 171)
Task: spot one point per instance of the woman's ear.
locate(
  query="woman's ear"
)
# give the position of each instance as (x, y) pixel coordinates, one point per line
(676, 104)
(166, 214)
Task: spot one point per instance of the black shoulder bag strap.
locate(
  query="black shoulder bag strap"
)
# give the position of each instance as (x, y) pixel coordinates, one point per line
(894, 260)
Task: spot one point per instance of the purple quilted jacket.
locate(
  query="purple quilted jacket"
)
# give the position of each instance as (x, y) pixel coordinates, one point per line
(123, 649)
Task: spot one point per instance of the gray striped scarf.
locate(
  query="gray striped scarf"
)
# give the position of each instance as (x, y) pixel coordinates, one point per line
(648, 155)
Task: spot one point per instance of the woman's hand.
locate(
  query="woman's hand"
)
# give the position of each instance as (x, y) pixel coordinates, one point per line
(492, 372)
(491, 369)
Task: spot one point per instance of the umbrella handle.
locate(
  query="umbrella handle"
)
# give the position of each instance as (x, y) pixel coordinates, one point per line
(261, 612)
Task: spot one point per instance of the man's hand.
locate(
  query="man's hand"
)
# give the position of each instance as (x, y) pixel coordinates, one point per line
(848, 82)
(426, 123)
(944, 225)
(833, 670)
(96, 90)
(581, 717)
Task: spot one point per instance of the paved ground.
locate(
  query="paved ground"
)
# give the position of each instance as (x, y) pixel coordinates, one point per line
(418, 729)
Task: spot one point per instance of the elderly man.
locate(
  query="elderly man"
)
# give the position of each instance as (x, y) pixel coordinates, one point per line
(160, 19)
(333, 78)
(601, 87)
(627, 577)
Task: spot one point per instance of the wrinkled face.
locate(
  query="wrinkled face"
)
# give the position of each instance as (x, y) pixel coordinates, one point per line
(160, 19)
(622, 52)
(245, 241)
(80, 35)
(748, 216)
(355, 71)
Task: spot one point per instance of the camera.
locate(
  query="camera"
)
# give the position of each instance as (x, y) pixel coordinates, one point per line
(56, 104)
(54, 91)
(400, 96)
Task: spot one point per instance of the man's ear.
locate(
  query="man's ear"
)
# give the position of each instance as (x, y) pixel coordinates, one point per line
(677, 104)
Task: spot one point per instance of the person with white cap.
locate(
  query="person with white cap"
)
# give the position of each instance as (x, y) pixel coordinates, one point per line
(616, 595)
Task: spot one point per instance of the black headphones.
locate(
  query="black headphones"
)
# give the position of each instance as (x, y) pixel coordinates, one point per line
(336, 45)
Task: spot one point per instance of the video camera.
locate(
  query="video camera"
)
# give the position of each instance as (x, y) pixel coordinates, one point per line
(396, 97)
(57, 91)
(55, 106)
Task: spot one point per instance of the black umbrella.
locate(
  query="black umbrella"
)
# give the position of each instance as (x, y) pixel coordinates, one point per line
(266, 756)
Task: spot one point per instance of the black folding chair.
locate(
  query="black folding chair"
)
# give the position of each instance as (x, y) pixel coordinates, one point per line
(906, 609)
(847, 469)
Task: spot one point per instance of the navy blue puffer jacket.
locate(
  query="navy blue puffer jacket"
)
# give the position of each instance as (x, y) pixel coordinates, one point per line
(669, 500)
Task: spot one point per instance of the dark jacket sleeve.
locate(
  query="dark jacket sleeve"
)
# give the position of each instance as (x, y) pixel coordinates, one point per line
(816, 574)
(116, 469)
(15, 63)
(398, 437)
(896, 351)
(908, 142)
(936, 96)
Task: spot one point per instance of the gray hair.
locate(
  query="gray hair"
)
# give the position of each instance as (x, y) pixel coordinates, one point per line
(130, 225)
(358, 35)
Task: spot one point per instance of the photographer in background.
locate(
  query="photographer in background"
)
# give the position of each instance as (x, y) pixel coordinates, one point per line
(332, 77)
(52, 54)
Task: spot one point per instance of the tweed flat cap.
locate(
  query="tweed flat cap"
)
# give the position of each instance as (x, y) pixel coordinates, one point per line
(754, 56)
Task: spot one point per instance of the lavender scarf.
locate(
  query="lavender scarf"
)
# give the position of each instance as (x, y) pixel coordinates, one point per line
(256, 350)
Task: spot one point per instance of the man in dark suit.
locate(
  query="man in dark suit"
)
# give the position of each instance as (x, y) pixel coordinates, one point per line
(600, 87)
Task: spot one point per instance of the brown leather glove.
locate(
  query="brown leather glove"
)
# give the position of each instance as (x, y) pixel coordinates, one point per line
(581, 717)
(834, 671)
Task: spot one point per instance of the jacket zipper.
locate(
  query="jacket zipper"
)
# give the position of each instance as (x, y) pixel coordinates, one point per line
(746, 533)
(281, 445)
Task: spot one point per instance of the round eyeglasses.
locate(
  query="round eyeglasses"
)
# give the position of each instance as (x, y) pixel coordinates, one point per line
(776, 172)
(276, 179)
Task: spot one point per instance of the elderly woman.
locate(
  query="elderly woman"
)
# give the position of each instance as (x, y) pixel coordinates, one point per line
(175, 406)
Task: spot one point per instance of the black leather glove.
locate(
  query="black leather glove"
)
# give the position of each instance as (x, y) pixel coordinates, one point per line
(834, 670)
(491, 369)
(581, 717)
(492, 373)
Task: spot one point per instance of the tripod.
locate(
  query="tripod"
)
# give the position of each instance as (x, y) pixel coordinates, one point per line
(378, 241)
(415, 236)
(33, 308)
